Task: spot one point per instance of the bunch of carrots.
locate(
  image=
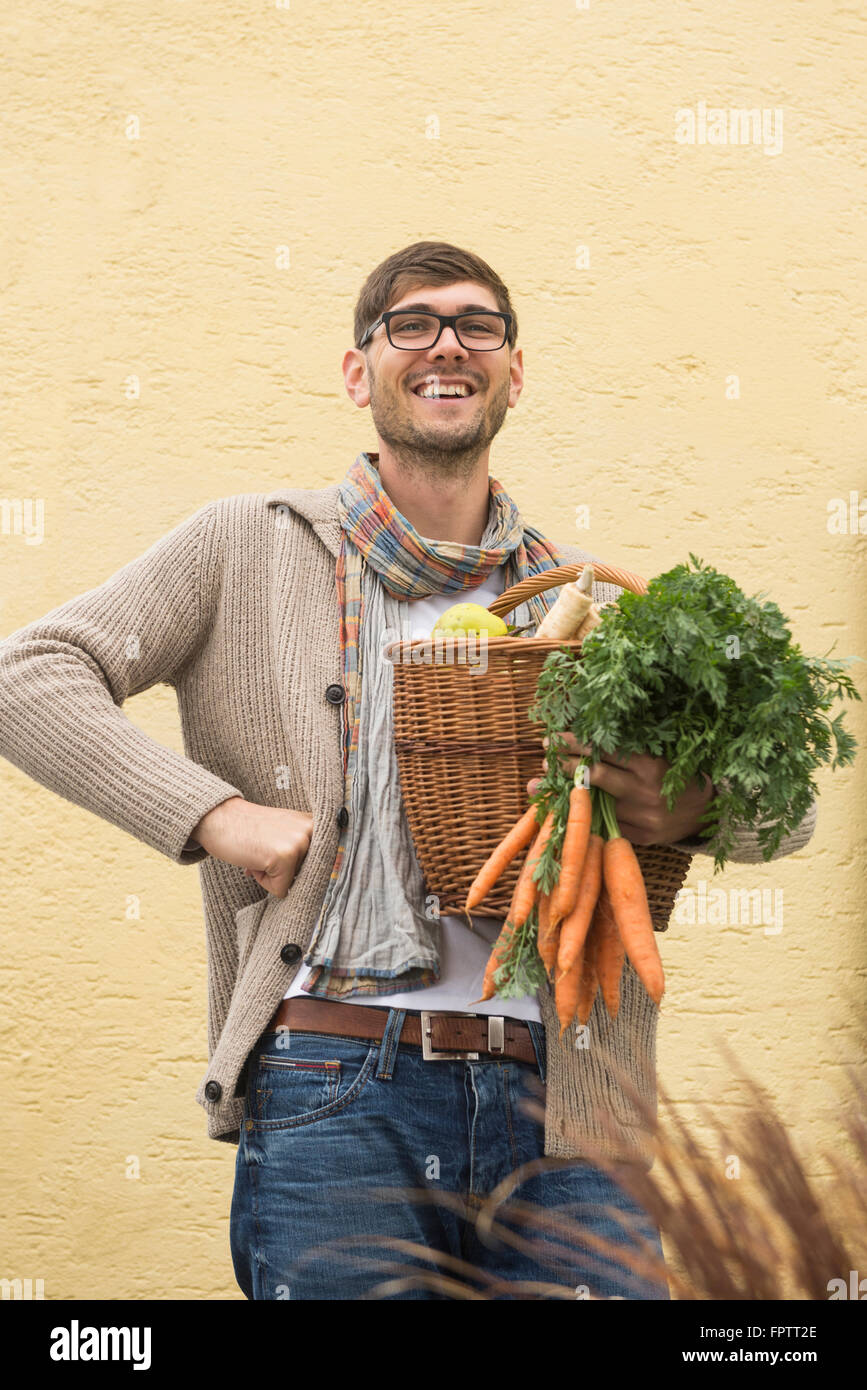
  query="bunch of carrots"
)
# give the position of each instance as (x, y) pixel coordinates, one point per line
(596, 914)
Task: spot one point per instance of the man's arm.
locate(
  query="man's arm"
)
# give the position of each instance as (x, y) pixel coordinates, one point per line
(746, 848)
(64, 677)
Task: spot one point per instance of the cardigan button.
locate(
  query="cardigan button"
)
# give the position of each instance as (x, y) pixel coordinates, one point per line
(343, 818)
(213, 1090)
(290, 953)
(335, 694)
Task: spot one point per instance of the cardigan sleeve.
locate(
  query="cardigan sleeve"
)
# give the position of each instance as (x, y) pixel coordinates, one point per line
(64, 678)
(746, 848)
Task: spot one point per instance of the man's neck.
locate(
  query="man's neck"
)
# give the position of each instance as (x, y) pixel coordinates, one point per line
(441, 509)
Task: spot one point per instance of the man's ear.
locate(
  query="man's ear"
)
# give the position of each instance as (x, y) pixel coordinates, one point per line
(355, 376)
(516, 376)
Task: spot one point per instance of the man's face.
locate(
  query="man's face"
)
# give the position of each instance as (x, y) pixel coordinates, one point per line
(456, 429)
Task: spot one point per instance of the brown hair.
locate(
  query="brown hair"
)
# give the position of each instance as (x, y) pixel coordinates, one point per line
(426, 263)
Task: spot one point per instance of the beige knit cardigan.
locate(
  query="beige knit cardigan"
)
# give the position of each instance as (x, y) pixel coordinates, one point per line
(236, 608)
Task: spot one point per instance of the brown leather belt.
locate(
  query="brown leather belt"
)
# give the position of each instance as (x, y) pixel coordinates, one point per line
(441, 1036)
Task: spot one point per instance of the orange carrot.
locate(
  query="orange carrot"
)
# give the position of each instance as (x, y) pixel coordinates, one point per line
(575, 990)
(548, 936)
(628, 895)
(495, 960)
(554, 948)
(574, 928)
(500, 947)
(517, 839)
(524, 899)
(609, 953)
(566, 992)
(572, 853)
(587, 990)
(526, 893)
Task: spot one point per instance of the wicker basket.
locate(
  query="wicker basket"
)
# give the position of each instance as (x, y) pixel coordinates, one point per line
(466, 750)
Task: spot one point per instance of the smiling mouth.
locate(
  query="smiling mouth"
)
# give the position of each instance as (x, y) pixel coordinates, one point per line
(427, 392)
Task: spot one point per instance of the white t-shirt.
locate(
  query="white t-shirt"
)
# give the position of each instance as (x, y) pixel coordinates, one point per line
(463, 953)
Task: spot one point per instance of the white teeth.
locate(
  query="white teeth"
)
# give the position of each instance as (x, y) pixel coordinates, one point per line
(429, 392)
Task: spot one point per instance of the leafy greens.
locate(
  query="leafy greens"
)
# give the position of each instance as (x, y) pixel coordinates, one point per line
(696, 672)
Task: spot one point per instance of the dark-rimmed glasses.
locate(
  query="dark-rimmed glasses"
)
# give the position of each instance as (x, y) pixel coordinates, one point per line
(409, 330)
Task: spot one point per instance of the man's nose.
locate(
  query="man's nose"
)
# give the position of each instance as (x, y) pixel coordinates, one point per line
(448, 342)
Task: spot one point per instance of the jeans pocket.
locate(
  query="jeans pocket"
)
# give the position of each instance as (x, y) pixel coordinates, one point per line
(300, 1078)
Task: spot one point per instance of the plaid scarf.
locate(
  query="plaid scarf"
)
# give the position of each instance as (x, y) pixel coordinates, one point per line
(379, 546)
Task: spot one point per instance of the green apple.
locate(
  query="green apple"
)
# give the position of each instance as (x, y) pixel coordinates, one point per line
(470, 618)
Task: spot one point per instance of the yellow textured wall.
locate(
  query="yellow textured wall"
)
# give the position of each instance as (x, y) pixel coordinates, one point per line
(195, 194)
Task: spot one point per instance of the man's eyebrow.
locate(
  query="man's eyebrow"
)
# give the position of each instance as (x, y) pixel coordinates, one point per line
(461, 309)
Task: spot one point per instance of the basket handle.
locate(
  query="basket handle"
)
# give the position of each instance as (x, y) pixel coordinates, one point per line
(550, 579)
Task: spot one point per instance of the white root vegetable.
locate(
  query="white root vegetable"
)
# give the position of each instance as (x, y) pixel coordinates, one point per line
(593, 619)
(573, 604)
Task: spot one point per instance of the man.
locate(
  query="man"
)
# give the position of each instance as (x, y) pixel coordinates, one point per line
(369, 1103)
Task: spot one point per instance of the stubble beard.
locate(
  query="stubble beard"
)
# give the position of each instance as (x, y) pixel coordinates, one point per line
(432, 454)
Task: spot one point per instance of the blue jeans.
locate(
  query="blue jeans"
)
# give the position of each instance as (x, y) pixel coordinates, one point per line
(347, 1145)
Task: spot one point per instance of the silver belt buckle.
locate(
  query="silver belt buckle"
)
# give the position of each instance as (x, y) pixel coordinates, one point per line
(496, 1036)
